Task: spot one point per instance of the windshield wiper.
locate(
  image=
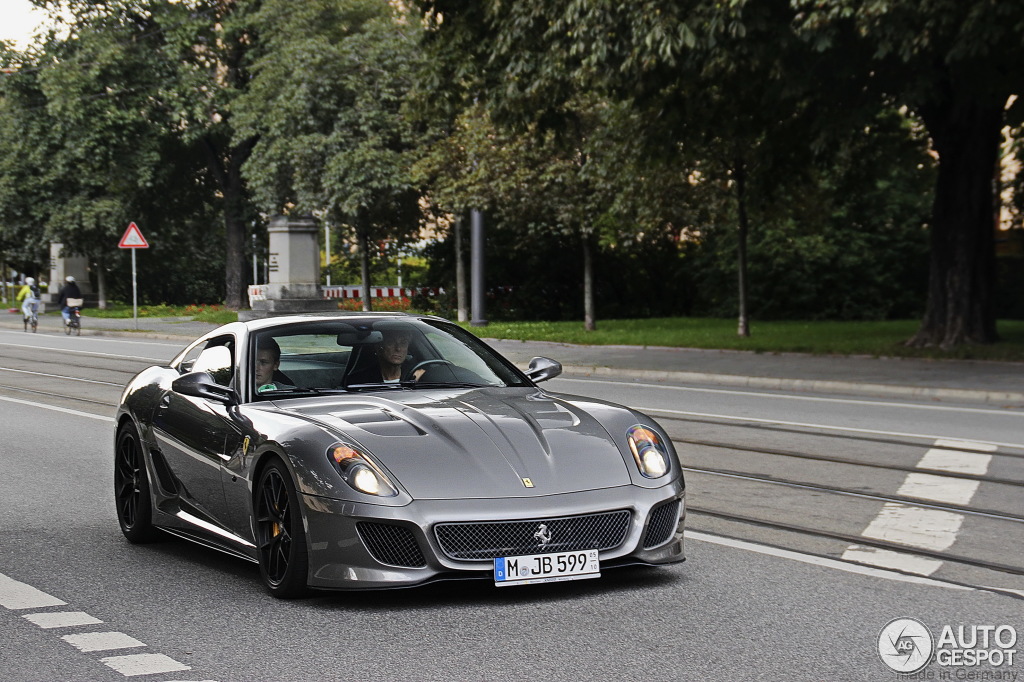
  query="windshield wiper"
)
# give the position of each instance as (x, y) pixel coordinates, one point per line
(298, 389)
(382, 385)
(451, 384)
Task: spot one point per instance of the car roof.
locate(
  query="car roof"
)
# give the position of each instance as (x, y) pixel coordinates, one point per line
(287, 320)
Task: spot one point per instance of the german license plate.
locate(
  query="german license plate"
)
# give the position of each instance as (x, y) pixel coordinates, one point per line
(546, 568)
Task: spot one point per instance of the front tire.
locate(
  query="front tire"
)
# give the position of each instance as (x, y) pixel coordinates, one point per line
(131, 488)
(280, 536)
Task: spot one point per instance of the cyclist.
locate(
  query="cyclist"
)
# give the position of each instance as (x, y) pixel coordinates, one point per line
(30, 293)
(70, 290)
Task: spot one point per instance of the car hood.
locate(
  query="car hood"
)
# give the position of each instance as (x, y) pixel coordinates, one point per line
(481, 443)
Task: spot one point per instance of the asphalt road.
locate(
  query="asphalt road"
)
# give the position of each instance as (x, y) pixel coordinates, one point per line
(751, 602)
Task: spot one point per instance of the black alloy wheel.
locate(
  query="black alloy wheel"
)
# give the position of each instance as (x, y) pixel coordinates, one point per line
(131, 488)
(280, 536)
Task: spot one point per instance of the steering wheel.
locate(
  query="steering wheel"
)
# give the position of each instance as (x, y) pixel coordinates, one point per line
(423, 365)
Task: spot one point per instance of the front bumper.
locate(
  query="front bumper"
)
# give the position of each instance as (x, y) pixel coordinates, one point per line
(339, 558)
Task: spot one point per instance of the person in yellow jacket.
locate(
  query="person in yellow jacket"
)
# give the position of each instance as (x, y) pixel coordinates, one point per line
(30, 295)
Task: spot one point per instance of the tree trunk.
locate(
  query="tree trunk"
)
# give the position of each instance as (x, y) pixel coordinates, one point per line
(101, 284)
(589, 323)
(234, 228)
(226, 168)
(364, 267)
(460, 273)
(961, 282)
(743, 325)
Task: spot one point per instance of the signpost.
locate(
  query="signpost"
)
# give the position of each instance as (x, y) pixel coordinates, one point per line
(133, 239)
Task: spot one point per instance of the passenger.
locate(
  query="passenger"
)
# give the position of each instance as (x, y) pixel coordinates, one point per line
(268, 363)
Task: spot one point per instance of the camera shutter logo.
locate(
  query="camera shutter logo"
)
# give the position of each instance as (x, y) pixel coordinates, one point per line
(905, 645)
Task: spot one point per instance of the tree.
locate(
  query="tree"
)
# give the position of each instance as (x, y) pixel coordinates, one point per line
(326, 106)
(958, 66)
(133, 88)
(576, 183)
(214, 46)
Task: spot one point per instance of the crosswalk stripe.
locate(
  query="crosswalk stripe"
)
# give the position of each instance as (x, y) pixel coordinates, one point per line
(931, 529)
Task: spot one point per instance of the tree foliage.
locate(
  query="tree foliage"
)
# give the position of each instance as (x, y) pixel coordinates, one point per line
(780, 75)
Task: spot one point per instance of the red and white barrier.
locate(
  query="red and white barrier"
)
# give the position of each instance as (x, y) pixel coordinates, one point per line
(258, 292)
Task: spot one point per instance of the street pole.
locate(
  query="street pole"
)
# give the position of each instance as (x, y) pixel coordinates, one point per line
(135, 294)
(460, 271)
(476, 236)
(327, 250)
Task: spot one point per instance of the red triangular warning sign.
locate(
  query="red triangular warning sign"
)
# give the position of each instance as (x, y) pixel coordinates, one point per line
(133, 239)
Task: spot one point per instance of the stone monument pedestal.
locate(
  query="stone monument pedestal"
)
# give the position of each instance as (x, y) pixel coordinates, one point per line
(294, 286)
(62, 265)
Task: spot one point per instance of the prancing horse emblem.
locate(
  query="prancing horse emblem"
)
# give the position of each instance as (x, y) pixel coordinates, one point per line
(543, 535)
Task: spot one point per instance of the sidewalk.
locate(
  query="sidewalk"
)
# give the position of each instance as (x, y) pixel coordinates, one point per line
(993, 383)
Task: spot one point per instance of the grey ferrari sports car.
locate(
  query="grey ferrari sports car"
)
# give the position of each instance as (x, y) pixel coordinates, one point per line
(369, 451)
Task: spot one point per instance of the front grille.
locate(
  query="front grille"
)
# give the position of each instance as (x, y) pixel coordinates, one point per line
(487, 540)
(388, 544)
(662, 523)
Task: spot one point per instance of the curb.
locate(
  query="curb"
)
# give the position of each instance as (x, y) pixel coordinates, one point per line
(805, 385)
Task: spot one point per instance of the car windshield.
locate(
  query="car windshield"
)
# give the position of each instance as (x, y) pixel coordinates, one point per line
(363, 354)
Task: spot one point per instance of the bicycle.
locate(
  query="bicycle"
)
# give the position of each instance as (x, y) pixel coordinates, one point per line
(74, 322)
(33, 319)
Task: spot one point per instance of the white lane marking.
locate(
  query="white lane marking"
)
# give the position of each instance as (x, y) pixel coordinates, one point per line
(786, 396)
(958, 461)
(965, 445)
(105, 340)
(822, 561)
(101, 641)
(120, 356)
(18, 595)
(61, 619)
(66, 410)
(823, 427)
(885, 558)
(938, 488)
(144, 664)
(58, 376)
(931, 529)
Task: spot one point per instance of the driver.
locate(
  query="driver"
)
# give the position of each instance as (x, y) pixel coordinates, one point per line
(390, 354)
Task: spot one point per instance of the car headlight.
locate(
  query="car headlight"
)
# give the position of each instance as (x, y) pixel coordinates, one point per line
(649, 452)
(360, 472)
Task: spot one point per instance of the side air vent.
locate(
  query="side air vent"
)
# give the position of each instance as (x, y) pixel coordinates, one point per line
(661, 524)
(390, 544)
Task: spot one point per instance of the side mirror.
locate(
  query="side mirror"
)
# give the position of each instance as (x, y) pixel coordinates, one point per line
(542, 369)
(202, 385)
